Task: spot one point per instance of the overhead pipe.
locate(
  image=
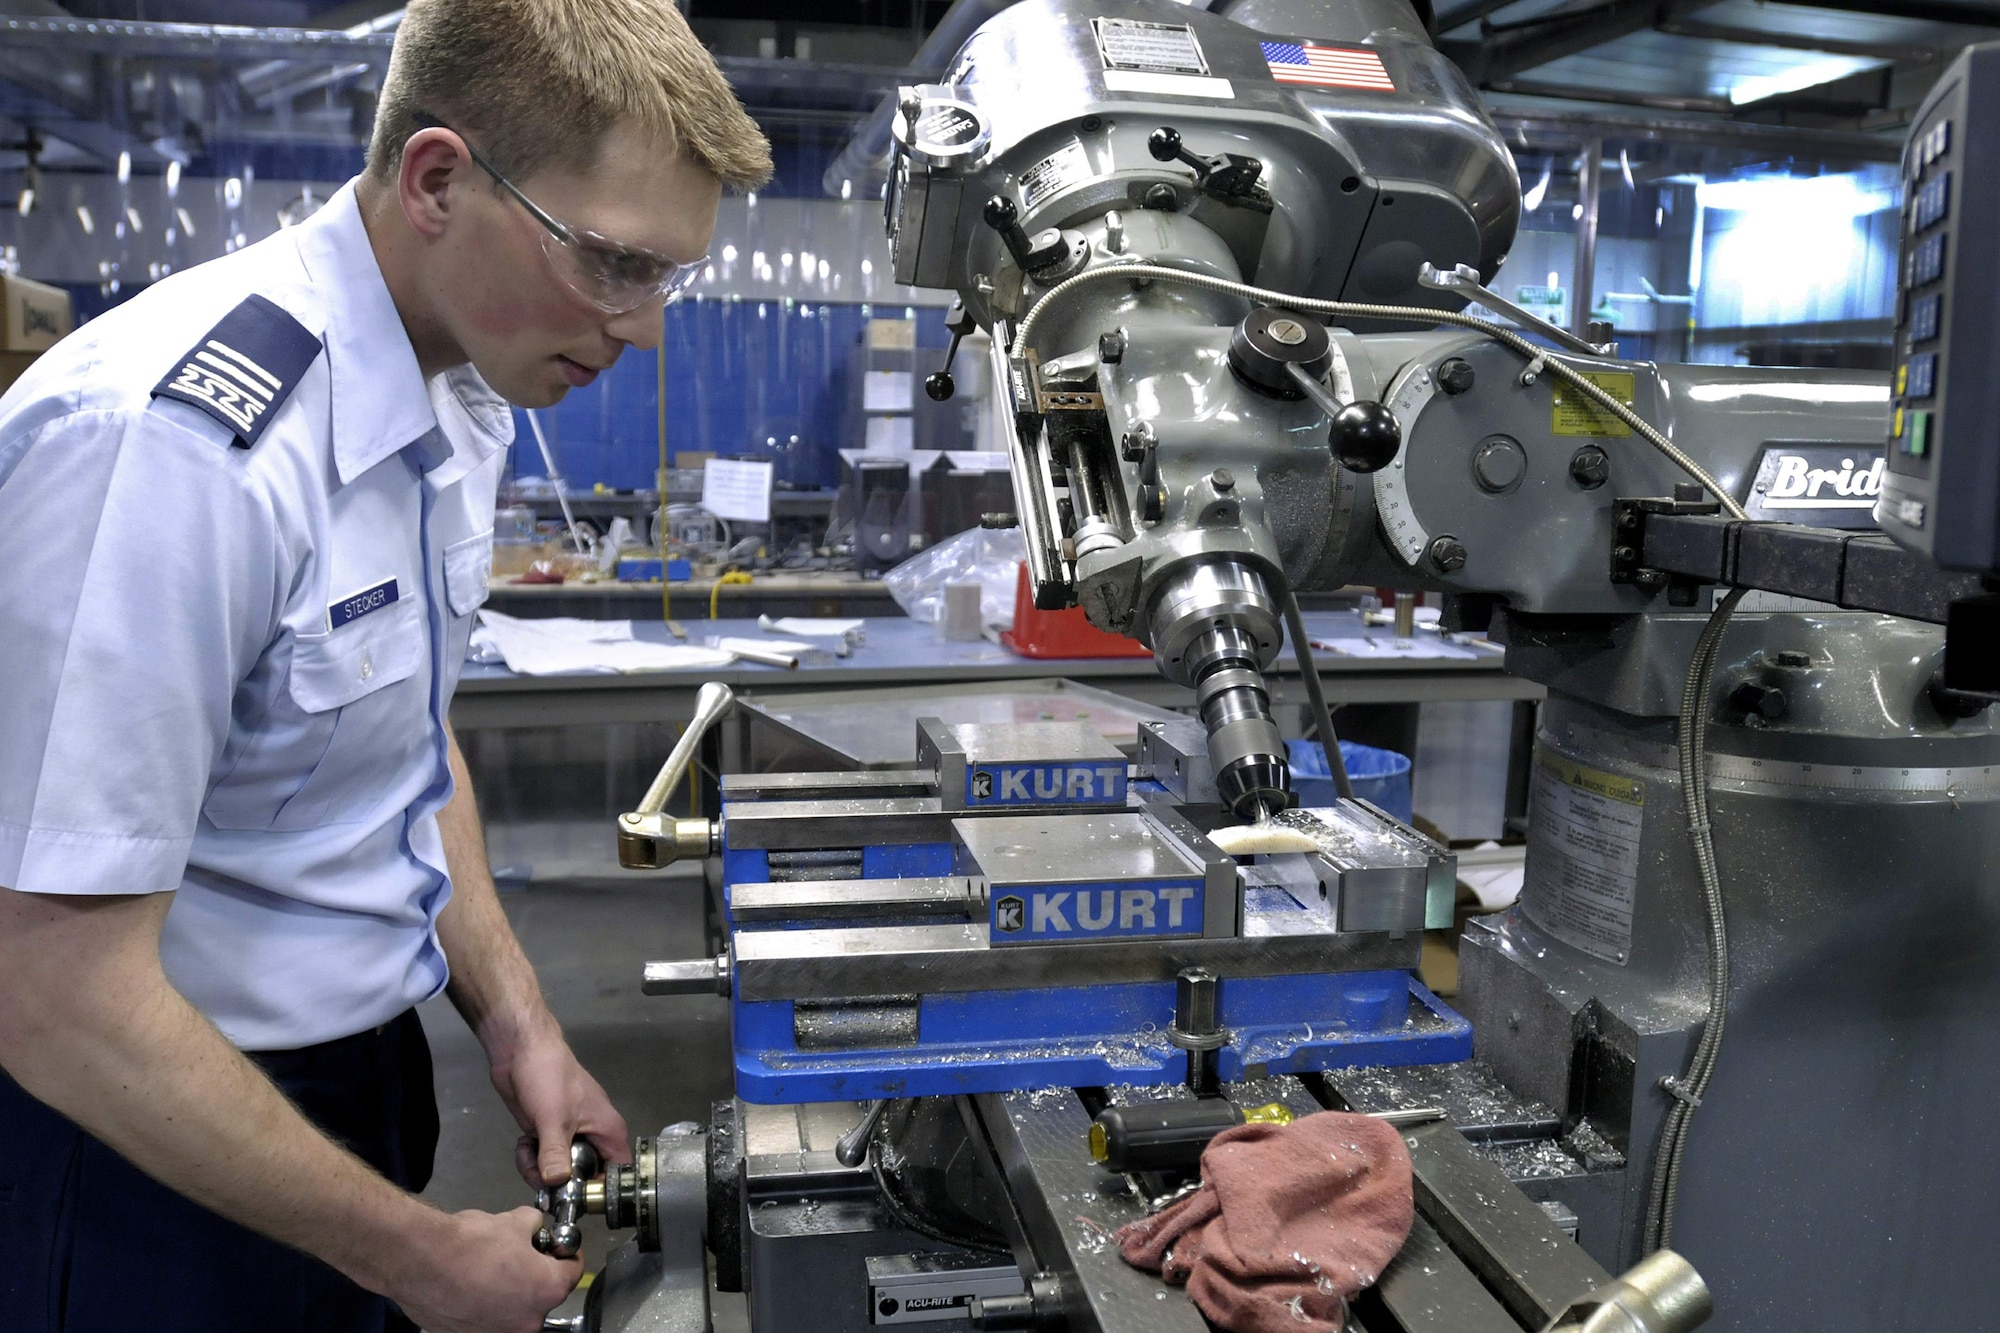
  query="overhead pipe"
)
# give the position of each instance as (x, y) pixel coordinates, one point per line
(862, 158)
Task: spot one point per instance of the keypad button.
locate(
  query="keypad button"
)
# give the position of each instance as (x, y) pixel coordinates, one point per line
(1925, 314)
(1923, 376)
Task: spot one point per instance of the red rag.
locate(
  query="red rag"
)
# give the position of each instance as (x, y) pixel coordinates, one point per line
(1290, 1221)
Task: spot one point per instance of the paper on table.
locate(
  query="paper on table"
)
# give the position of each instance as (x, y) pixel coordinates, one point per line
(741, 645)
(737, 491)
(1423, 646)
(886, 390)
(563, 645)
(812, 627)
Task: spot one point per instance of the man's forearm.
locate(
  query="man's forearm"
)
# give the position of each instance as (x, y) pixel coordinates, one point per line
(492, 983)
(90, 1025)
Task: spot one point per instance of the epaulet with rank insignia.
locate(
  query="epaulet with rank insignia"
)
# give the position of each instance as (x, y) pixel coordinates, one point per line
(244, 368)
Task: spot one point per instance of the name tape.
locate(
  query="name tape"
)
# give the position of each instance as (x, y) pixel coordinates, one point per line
(349, 609)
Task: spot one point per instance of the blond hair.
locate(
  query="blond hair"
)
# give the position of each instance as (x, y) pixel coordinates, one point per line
(537, 82)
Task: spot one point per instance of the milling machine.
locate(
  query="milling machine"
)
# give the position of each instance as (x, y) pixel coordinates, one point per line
(1224, 254)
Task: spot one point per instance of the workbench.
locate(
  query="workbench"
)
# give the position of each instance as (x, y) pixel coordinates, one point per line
(899, 651)
(788, 593)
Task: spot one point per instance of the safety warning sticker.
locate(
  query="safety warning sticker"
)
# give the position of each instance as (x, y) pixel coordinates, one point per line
(1054, 174)
(1157, 48)
(1574, 414)
(1583, 832)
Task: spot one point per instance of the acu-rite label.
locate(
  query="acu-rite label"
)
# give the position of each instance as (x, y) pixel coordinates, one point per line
(1583, 830)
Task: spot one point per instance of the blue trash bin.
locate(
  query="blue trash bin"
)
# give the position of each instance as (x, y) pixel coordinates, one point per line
(1380, 776)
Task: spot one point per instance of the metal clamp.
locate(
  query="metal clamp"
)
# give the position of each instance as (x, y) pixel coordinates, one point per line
(647, 839)
(1464, 280)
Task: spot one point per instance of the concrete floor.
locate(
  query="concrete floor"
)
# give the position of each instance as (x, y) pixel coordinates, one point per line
(661, 1060)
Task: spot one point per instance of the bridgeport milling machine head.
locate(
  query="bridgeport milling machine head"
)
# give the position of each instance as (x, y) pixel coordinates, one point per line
(1185, 452)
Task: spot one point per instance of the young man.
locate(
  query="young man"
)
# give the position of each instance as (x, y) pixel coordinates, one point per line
(248, 519)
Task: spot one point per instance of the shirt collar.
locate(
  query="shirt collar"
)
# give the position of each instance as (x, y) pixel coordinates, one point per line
(380, 404)
(474, 423)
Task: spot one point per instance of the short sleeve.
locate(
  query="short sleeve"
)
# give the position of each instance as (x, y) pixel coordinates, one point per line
(146, 576)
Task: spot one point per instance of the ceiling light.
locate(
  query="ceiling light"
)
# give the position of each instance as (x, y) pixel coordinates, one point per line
(1539, 191)
(1806, 74)
(1843, 196)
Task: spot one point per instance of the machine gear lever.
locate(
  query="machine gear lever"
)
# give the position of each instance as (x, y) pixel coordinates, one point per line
(852, 1150)
(649, 839)
(1288, 354)
(1229, 177)
(1044, 249)
(939, 384)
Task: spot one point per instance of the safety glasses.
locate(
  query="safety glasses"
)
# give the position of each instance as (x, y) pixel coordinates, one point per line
(613, 277)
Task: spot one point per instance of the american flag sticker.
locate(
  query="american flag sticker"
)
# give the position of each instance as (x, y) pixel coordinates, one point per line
(1327, 66)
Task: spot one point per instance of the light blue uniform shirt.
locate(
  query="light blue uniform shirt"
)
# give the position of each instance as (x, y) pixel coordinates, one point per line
(225, 671)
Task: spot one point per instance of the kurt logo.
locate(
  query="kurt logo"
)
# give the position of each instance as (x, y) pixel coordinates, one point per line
(1046, 784)
(1087, 913)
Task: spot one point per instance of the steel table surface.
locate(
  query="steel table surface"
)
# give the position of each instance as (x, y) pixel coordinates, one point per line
(900, 651)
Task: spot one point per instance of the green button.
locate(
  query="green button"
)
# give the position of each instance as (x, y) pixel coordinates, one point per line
(1917, 441)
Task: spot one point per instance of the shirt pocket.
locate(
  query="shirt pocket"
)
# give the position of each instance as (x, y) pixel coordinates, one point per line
(468, 570)
(381, 714)
(296, 762)
(334, 669)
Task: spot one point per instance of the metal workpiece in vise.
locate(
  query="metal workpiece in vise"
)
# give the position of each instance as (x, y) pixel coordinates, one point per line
(1662, 1293)
(1215, 628)
(1288, 354)
(649, 839)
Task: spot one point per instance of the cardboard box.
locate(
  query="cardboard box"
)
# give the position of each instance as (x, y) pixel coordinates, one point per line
(13, 365)
(36, 316)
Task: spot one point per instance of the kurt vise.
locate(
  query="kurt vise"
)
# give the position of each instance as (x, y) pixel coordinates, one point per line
(1021, 909)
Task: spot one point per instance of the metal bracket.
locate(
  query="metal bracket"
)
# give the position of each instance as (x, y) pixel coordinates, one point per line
(1628, 542)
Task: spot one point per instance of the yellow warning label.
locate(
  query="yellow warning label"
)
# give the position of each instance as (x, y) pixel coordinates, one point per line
(1574, 414)
(1590, 780)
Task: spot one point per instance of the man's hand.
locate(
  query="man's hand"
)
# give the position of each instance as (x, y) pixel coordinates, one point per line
(495, 989)
(554, 1101)
(90, 1025)
(479, 1273)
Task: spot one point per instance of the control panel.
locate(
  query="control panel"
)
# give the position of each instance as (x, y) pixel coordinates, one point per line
(1941, 494)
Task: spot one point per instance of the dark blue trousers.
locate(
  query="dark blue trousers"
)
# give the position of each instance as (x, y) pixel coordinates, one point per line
(90, 1244)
